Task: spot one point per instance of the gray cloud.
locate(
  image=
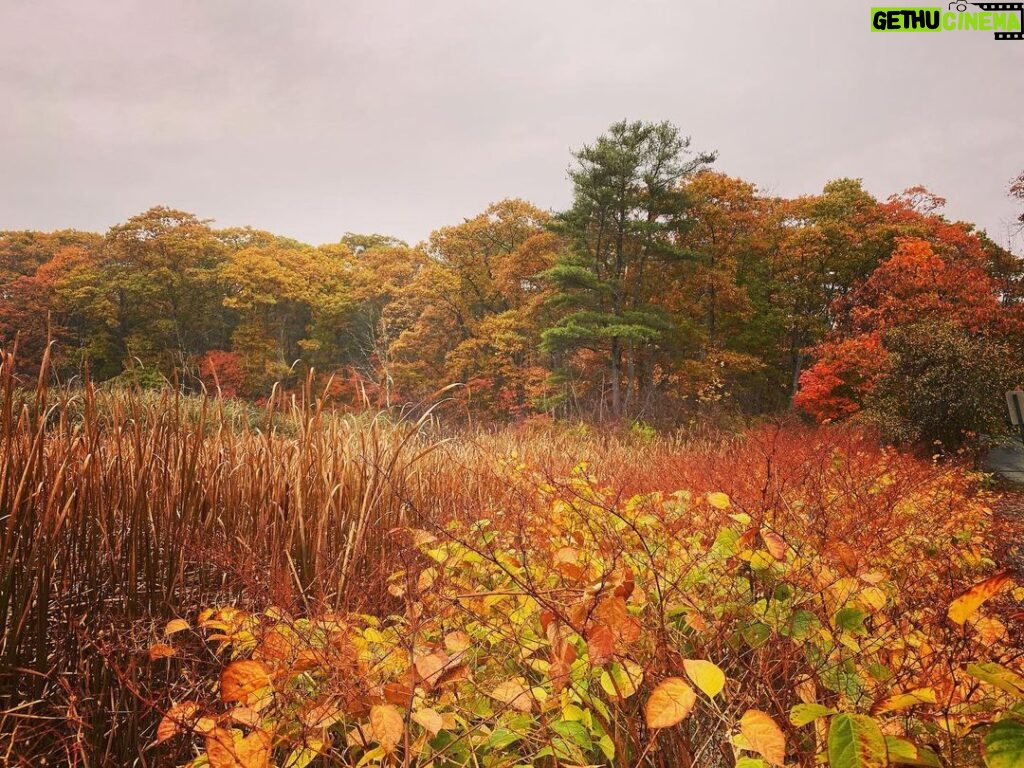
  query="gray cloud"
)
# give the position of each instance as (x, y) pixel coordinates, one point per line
(399, 116)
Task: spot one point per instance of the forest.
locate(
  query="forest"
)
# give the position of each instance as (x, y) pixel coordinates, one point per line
(666, 293)
(684, 476)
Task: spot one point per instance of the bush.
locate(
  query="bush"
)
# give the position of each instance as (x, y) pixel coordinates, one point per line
(943, 384)
(570, 627)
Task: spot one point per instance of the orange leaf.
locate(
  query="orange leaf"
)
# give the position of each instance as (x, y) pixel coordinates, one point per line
(775, 544)
(175, 625)
(600, 644)
(179, 718)
(565, 562)
(160, 651)
(398, 693)
(241, 679)
(321, 715)
(961, 609)
(229, 749)
(387, 726)
(764, 736)
(430, 667)
(670, 703)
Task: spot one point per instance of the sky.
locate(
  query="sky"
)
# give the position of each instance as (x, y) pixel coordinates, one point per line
(312, 119)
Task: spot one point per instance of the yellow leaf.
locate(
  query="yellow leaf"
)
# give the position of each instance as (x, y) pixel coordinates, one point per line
(670, 703)
(515, 694)
(304, 754)
(718, 500)
(904, 700)
(872, 598)
(961, 609)
(175, 625)
(621, 679)
(429, 719)
(764, 736)
(705, 675)
(387, 726)
(241, 679)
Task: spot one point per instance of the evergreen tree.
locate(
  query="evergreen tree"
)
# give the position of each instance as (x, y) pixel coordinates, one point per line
(628, 210)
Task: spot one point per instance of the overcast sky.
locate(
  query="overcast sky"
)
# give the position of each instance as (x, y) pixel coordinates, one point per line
(311, 119)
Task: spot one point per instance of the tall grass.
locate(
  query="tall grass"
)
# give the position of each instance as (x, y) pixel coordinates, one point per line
(115, 507)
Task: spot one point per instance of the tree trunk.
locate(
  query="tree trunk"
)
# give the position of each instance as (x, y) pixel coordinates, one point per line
(616, 365)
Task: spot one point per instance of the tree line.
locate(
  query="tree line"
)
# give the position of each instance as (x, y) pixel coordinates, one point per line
(666, 291)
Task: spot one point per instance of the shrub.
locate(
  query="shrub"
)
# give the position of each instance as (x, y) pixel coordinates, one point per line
(666, 629)
(942, 383)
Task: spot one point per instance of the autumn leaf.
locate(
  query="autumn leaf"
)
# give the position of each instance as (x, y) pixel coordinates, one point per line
(246, 716)
(621, 679)
(431, 666)
(705, 675)
(515, 694)
(322, 714)
(718, 500)
(387, 726)
(179, 718)
(669, 703)
(764, 736)
(904, 700)
(774, 543)
(174, 626)
(990, 630)
(229, 749)
(160, 651)
(429, 719)
(241, 679)
(600, 644)
(456, 642)
(855, 741)
(961, 609)
(613, 613)
(399, 693)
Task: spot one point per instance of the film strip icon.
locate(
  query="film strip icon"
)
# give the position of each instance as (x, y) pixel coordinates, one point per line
(1018, 7)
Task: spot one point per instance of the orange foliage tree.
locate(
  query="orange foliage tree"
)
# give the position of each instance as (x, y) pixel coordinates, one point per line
(951, 299)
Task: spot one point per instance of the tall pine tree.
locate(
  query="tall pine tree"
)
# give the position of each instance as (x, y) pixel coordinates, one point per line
(628, 209)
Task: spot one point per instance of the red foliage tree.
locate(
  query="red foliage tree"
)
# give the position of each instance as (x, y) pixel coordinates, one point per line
(221, 372)
(914, 287)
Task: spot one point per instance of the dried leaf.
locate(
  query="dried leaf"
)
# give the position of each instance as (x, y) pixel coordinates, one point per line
(429, 719)
(515, 694)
